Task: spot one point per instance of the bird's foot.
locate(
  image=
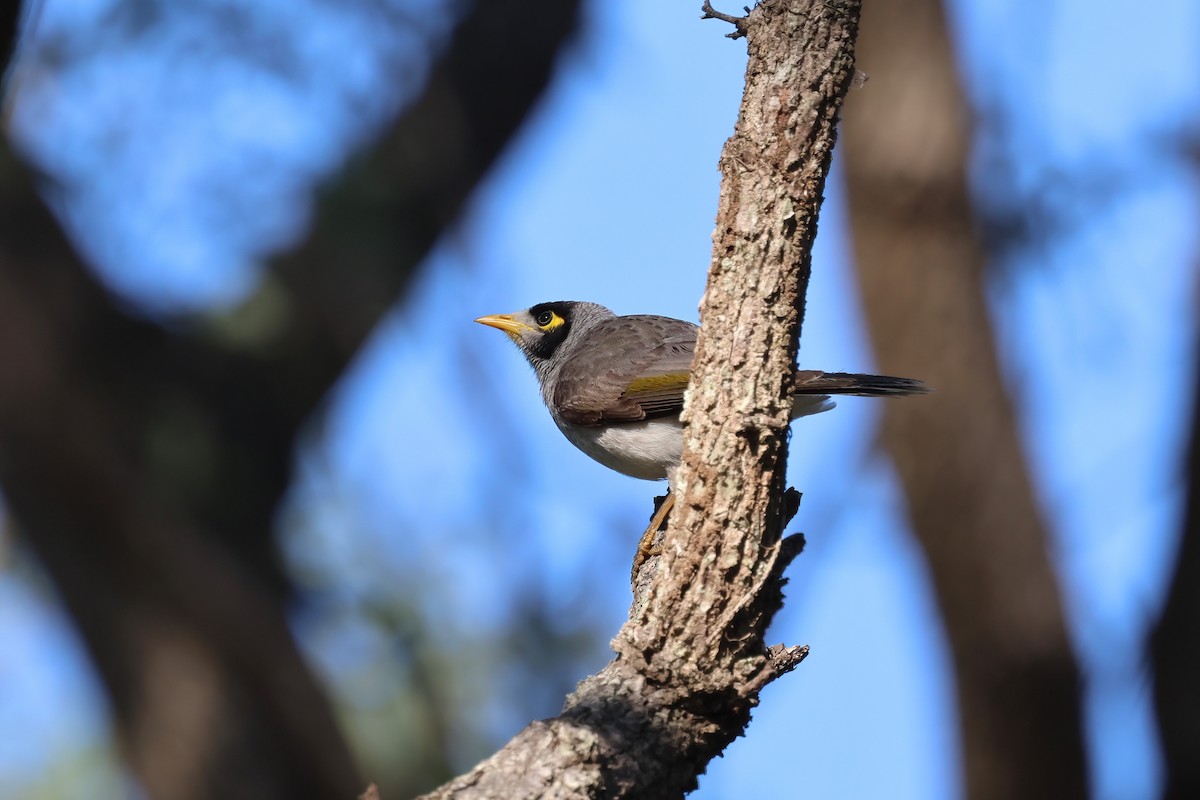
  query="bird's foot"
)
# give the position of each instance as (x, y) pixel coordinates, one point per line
(648, 546)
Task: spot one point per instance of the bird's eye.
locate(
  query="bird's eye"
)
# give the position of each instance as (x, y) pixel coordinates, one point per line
(545, 318)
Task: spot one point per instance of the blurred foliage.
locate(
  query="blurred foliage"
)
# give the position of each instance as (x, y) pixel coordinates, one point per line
(183, 143)
(427, 690)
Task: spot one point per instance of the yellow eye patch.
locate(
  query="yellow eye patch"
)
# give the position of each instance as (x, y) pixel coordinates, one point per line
(548, 325)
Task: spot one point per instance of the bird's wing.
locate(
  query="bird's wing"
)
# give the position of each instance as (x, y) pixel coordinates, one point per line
(627, 369)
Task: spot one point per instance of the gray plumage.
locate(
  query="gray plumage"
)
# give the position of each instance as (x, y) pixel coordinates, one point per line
(601, 363)
(615, 385)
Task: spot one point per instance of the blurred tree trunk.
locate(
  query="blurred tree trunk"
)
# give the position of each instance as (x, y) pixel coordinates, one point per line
(1175, 644)
(144, 465)
(957, 453)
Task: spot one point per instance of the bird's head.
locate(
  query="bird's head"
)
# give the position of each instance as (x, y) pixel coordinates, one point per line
(545, 329)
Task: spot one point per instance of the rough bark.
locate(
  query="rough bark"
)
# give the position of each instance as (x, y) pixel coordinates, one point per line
(691, 660)
(144, 465)
(1175, 646)
(957, 452)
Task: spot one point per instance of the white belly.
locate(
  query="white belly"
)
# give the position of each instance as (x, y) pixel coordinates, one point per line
(643, 450)
(652, 449)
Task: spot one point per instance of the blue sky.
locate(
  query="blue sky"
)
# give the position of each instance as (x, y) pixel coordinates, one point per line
(609, 195)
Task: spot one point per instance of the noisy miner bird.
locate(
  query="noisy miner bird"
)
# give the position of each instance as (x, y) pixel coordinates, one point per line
(614, 385)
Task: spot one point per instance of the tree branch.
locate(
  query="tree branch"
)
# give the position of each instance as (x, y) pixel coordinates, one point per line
(691, 660)
(738, 23)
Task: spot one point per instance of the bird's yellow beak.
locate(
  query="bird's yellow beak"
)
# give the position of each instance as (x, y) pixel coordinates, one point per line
(505, 322)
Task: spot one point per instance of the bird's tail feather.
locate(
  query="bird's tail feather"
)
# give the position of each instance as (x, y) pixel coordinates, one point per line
(816, 382)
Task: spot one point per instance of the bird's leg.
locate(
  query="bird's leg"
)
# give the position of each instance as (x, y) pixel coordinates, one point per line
(647, 547)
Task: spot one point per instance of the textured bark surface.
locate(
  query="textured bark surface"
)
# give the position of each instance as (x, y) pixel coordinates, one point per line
(1175, 645)
(957, 452)
(691, 660)
(144, 465)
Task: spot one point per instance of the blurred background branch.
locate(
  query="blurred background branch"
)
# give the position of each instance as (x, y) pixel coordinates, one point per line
(971, 499)
(1174, 645)
(144, 464)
